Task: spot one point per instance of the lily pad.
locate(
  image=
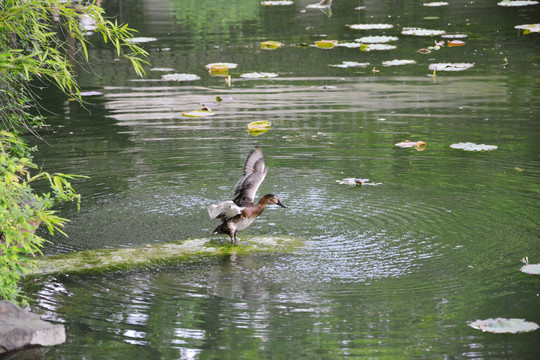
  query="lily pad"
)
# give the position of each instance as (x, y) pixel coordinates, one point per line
(270, 45)
(376, 39)
(326, 44)
(259, 126)
(454, 36)
(162, 69)
(90, 93)
(348, 64)
(228, 65)
(508, 3)
(352, 181)
(397, 62)
(502, 325)
(421, 32)
(423, 51)
(259, 75)
(454, 43)
(224, 98)
(436, 4)
(450, 66)
(276, 3)
(377, 47)
(371, 26)
(469, 146)
(528, 28)
(320, 5)
(141, 39)
(179, 77)
(533, 269)
(418, 145)
(199, 113)
(352, 45)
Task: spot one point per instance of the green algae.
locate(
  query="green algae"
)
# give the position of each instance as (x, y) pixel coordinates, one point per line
(188, 251)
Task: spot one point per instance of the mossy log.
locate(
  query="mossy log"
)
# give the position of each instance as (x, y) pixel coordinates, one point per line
(188, 251)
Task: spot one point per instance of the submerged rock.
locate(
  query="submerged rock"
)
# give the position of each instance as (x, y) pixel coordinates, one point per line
(19, 328)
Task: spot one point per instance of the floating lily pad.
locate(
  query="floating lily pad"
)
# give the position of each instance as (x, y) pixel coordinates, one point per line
(423, 51)
(418, 145)
(352, 45)
(162, 69)
(352, 181)
(90, 93)
(259, 75)
(435, 4)
(224, 98)
(348, 64)
(276, 3)
(502, 325)
(376, 39)
(450, 66)
(528, 28)
(326, 44)
(228, 65)
(454, 43)
(179, 77)
(270, 45)
(377, 47)
(259, 126)
(397, 62)
(469, 146)
(199, 113)
(508, 3)
(141, 39)
(325, 87)
(421, 32)
(371, 26)
(454, 36)
(320, 5)
(533, 269)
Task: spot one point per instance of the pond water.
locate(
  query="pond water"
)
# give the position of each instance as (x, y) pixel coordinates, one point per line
(394, 270)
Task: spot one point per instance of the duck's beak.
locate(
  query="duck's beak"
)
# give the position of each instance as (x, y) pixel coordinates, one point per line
(281, 204)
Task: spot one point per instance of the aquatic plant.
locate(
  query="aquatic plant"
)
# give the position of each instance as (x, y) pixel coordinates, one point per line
(502, 325)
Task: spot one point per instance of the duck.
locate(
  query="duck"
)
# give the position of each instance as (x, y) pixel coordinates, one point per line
(238, 214)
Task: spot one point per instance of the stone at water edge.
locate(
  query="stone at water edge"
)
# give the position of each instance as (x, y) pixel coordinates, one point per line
(19, 328)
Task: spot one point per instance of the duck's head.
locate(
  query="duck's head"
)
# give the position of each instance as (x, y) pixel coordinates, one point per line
(271, 199)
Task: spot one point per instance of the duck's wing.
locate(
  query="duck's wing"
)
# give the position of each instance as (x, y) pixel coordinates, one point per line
(223, 210)
(254, 174)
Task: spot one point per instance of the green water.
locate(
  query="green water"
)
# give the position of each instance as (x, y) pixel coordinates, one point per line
(390, 271)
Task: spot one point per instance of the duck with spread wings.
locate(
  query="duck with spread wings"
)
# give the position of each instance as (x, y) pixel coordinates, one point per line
(238, 214)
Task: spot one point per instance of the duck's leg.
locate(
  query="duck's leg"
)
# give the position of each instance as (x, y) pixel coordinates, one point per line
(235, 238)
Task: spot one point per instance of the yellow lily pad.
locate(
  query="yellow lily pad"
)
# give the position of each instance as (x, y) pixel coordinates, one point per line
(270, 45)
(259, 126)
(326, 44)
(199, 113)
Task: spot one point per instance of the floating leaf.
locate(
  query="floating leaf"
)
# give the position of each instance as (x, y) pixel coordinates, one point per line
(258, 127)
(370, 26)
(326, 44)
(199, 113)
(528, 28)
(162, 69)
(348, 64)
(377, 47)
(179, 77)
(454, 43)
(224, 98)
(450, 66)
(270, 45)
(502, 325)
(141, 39)
(276, 3)
(352, 181)
(350, 45)
(421, 32)
(324, 87)
(229, 65)
(423, 51)
(418, 145)
(376, 39)
(398, 62)
(435, 4)
(90, 93)
(508, 3)
(533, 269)
(321, 5)
(259, 75)
(454, 36)
(469, 146)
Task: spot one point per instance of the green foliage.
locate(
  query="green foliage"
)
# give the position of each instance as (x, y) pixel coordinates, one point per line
(39, 41)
